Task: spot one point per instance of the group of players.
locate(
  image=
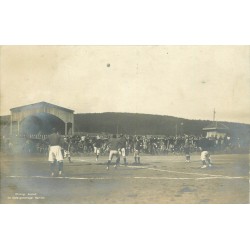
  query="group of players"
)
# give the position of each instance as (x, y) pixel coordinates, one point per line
(58, 150)
(149, 144)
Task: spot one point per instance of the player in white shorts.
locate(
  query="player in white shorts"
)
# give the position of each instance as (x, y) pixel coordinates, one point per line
(137, 148)
(205, 158)
(97, 147)
(55, 152)
(205, 155)
(114, 145)
(123, 144)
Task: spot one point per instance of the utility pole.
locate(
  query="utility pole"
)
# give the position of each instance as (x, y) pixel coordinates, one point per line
(214, 115)
(182, 130)
(214, 122)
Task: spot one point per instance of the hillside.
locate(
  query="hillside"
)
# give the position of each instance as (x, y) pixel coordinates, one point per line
(130, 123)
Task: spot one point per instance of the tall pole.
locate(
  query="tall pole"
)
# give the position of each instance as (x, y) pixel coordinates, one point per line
(182, 129)
(73, 125)
(214, 122)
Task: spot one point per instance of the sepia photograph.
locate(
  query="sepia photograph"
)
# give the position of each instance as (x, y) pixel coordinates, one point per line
(125, 124)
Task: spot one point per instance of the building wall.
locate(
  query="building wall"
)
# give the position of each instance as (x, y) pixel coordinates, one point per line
(215, 133)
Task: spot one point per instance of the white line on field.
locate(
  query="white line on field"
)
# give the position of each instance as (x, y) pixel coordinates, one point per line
(136, 177)
(178, 172)
(190, 178)
(222, 177)
(61, 177)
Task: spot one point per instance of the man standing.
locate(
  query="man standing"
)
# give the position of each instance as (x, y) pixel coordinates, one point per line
(123, 144)
(114, 146)
(97, 146)
(66, 149)
(187, 149)
(55, 152)
(137, 148)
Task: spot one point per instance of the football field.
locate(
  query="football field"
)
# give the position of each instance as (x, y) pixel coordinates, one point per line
(158, 180)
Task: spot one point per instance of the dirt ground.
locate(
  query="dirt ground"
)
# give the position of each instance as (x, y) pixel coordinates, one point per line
(158, 180)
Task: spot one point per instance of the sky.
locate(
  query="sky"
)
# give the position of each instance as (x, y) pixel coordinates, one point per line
(182, 81)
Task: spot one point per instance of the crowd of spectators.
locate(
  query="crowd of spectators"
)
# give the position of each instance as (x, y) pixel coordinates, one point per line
(153, 145)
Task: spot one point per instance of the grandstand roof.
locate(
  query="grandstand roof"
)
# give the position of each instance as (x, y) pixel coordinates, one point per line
(216, 126)
(39, 105)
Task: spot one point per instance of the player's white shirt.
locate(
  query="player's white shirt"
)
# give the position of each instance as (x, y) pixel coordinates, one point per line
(204, 155)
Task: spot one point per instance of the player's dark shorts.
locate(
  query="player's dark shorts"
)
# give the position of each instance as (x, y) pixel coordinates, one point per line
(187, 151)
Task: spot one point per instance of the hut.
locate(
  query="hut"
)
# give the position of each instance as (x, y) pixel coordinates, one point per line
(216, 129)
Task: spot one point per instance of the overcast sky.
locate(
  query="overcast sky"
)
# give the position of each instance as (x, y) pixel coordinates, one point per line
(181, 81)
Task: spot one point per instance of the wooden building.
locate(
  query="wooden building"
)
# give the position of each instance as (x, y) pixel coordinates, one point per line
(39, 118)
(216, 129)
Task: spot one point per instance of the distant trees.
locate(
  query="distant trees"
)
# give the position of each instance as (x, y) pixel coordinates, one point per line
(141, 124)
(129, 123)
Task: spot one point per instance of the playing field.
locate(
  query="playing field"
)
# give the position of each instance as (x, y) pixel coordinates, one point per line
(158, 180)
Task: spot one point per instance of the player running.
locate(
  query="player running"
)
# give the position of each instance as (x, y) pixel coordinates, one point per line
(205, 155)
(205, 158)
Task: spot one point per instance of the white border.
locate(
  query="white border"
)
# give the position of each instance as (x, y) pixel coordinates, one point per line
(131, 23)
(124, 227)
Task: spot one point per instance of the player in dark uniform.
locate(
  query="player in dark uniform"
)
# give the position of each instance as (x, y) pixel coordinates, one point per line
(187, 149)
(97, 147)
(66, 148)
(114, 145)
(123, 145)
(137, 148)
